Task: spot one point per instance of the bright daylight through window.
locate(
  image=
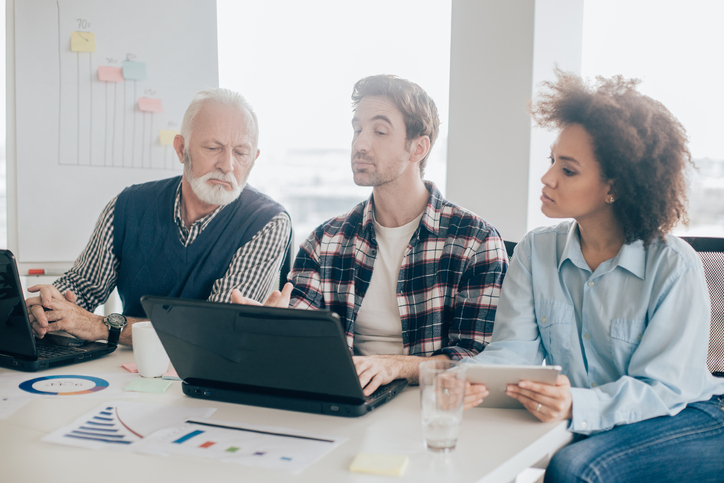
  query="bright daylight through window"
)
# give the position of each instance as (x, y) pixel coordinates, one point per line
(675, 48)
(296, 63)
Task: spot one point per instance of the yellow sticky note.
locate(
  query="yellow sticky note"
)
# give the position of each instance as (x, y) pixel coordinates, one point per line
(380, 464)
(165, 136)
(82, 42)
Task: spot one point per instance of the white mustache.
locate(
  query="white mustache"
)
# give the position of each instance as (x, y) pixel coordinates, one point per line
(228, 177)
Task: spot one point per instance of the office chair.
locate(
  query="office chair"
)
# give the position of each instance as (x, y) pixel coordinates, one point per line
(711, 251)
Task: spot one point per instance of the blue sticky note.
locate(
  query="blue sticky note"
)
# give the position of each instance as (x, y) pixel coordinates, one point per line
(133, 70)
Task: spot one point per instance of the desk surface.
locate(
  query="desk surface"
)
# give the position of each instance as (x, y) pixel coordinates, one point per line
(494, 445)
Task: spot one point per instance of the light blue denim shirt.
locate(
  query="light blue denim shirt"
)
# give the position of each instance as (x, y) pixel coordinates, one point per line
(632, 336)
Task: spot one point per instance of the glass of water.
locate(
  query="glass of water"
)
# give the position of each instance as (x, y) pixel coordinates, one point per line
(442, 391)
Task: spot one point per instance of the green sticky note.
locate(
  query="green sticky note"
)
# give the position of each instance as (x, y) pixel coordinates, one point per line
(149, 385)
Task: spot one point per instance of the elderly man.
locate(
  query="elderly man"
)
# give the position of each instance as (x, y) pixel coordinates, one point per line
(196, 236)
(410, 274)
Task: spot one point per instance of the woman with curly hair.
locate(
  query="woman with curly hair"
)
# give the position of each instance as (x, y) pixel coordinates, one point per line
(611, 297)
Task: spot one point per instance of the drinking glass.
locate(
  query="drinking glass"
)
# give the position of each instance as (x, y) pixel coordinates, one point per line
(442, 391)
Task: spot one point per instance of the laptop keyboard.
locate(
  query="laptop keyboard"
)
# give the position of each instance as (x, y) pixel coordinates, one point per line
(385, 389)
(378, 391)
(50, 351)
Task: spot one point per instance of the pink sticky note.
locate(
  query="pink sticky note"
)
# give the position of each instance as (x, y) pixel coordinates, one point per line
(110, 74)
(131, 367)
(146, 104)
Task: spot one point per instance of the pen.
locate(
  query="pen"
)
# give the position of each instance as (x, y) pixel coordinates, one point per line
(45, 271)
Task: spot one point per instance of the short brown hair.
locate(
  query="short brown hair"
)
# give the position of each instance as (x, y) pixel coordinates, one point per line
(638, 143)
(417, 108)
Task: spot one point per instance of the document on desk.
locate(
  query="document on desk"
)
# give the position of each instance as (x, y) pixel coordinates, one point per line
(118, 425)
(260, 446)
(8, 405)
(13, 385)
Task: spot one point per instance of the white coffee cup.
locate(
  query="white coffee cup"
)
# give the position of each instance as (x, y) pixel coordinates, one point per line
(151, 357)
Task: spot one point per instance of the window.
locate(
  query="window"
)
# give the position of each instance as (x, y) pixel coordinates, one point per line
(675, 49)
(296, 63)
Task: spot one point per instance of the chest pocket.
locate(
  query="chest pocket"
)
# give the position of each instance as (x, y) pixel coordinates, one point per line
(554, 324)
(625, 338)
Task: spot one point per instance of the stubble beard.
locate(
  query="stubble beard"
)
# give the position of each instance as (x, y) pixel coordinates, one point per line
(367, 176)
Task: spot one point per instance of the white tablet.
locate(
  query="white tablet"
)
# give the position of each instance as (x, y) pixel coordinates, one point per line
(497, 377)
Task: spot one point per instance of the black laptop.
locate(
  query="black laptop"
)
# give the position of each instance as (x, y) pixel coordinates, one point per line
(263, 356)
(19, 349)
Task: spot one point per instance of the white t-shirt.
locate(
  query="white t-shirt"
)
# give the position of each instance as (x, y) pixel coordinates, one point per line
(378, 329)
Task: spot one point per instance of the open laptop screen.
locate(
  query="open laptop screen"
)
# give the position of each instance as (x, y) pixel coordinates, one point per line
(286, 349)
(15, 332)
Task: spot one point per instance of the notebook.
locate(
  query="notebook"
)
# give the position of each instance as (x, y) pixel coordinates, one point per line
(263, 356)
(19, 349)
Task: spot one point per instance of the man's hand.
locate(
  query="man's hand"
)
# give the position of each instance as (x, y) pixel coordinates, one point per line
(276, 299)
(546, 402)
(52, 311)
(375, 371)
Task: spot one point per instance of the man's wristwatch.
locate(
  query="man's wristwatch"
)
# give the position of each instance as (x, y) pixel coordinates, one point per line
(115, 324)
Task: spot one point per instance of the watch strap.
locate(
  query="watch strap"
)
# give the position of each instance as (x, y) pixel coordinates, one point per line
(114, 333)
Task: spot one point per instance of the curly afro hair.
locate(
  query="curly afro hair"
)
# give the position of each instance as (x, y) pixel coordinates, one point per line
(638, 143)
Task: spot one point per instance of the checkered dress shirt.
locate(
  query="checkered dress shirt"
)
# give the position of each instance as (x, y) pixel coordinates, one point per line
(447, 289)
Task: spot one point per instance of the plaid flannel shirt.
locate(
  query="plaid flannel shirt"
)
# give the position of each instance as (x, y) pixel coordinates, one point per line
(447, 289)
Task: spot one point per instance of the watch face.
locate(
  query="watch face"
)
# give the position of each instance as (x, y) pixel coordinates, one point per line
(116, 320)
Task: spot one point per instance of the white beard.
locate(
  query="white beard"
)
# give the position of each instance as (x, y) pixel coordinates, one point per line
(212, 194)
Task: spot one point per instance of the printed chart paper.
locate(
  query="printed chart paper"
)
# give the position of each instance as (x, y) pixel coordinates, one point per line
(261, 446)
(118, 425)
(65, 385)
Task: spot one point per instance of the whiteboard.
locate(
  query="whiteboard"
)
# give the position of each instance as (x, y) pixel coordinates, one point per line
(100, 88)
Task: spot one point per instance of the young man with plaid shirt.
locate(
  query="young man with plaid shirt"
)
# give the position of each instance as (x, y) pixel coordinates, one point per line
(411, 275)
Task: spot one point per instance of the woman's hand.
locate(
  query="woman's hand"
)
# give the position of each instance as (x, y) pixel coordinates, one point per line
(474, 394)
(544, 401)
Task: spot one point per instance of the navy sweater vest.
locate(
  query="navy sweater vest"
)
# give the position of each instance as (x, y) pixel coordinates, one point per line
(153, 261)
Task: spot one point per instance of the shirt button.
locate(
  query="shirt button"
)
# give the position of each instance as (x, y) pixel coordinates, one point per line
(591, 283)
(638, 337)
(587, 336)
(593, 384)
(584, 424)
(543, 319)
(373, 252)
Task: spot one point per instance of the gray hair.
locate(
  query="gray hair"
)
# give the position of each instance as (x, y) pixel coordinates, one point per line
(225, 97)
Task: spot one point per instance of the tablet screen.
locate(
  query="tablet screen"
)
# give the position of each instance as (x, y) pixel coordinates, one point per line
(497, 377)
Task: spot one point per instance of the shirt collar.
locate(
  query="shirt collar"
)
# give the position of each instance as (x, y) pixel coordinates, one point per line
(178, 218)
(572, 249)
(631, 257)
(177, 208)
(430, 217)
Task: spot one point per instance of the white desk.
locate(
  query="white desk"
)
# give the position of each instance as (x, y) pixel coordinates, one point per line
(494, 446)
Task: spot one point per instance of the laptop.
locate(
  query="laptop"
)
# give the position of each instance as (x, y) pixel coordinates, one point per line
(263, 356)
(19, 349)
